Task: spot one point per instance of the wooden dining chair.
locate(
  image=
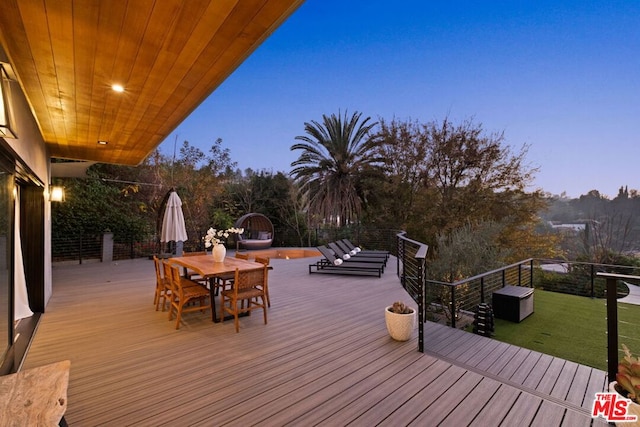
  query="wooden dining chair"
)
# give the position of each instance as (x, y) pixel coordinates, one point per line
(225, 281)
(182, 295)
(265, 261)
(248, 287)
(163, 282)
(185, 282)
(163, 286)
(189, 274)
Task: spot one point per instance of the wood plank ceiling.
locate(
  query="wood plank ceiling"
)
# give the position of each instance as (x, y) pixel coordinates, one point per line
(169, 55)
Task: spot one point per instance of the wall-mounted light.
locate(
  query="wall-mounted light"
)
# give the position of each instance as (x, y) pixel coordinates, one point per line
(6, 114)
(56, 194)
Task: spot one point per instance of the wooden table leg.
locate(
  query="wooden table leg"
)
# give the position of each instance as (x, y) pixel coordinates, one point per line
(214, 317)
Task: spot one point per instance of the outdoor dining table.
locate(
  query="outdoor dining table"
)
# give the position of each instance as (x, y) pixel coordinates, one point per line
(207, 268)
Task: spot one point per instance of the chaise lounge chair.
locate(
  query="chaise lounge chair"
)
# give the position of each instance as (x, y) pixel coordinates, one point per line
(350, 246)
(332, 265)
(356, 256)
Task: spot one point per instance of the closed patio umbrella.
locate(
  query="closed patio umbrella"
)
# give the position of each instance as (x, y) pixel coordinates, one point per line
(173, 228)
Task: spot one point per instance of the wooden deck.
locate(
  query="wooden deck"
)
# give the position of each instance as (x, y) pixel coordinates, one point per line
(324, 358)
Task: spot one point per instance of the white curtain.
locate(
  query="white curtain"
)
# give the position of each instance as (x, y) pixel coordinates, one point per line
(21, 301)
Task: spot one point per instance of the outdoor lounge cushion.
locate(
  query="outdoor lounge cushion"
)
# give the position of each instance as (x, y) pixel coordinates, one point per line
(264, 235)
(254, 243)
(259, 240)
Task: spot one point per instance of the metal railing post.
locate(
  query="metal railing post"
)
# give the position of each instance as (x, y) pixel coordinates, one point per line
(415, 281)
(453, 306)
(404, 263)
(482, 290)
(612, 328)
(398, 242)
(421, 278)
(612, 320)
(593, 279)
(80, 250)
(531, 273)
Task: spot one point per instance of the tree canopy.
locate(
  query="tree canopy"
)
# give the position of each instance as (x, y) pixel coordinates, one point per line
(442, 182)
(335, 156)
(442, 176)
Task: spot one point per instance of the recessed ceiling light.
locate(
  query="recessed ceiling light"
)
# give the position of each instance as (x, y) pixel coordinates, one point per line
(103, 142)
(117, 88)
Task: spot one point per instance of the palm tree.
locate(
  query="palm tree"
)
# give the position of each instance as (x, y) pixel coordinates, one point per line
(335, 156)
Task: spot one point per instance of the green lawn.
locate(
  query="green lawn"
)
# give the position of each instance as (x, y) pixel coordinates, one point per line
(571, 327)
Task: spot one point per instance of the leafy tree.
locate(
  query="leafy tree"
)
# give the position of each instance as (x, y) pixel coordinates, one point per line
(607, 240)
(623, 193)
(239, 195)
(611, 229)
(559, 209)
(293, 215)
(404, 148)
(273, 195)
(442, 176)
(127, 200)
(220, 159)
(199, 180)
(464, 252)
(334, 156)
(472, 173)
(190, 157)
(611, 226)
(93, 207)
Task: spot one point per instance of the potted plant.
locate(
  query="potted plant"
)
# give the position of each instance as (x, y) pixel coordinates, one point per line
(400, 320)
(627, 383)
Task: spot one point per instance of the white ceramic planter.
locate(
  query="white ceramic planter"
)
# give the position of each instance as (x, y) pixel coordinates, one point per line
(632, 409)
(219, 252)
(400, 326)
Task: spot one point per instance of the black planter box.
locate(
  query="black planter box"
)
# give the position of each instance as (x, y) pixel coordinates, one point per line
(513, 303)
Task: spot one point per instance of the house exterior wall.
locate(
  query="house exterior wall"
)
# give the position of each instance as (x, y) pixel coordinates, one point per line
(31, 151)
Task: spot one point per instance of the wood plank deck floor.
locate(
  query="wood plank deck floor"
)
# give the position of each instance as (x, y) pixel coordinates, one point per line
(324, 358)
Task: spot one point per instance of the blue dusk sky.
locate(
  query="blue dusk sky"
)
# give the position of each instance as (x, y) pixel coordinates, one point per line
(561, 76)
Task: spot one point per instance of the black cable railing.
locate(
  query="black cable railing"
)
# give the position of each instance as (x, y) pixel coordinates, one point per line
(81, 247)
(411, 268)
(463, 296)
(577, 278)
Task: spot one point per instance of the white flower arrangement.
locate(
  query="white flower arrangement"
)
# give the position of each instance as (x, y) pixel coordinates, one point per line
(215, 237)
